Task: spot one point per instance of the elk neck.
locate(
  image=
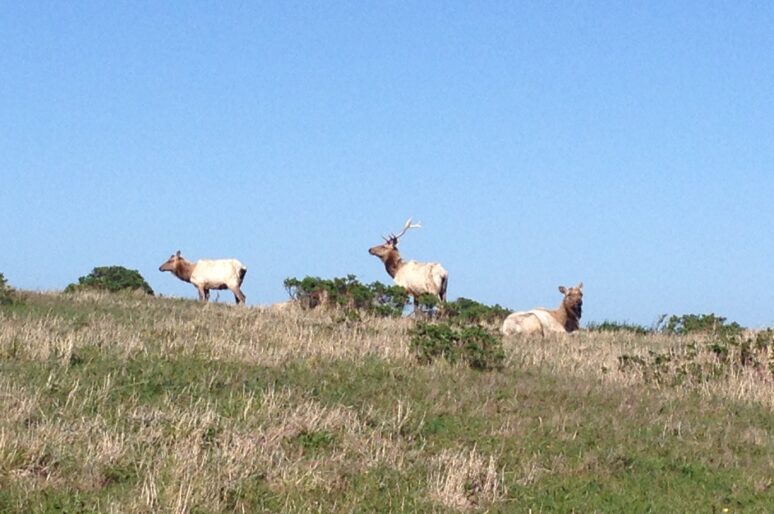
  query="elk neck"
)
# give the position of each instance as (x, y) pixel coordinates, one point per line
(568, 318)
(184, 269)
(392, 262)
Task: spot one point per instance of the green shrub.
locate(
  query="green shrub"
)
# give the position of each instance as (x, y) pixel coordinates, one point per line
(467, 311)
(8, 295)
(309, 292)
(113, 279)
(427, 304)
(615, 326)
(349, 294)
(472, 345)
(699, 362)
(388, 300)
(698, 324)
(383, 300)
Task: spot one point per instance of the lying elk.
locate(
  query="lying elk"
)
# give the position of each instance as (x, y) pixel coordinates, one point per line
(543, 321)
(417, 278)
(208, 274)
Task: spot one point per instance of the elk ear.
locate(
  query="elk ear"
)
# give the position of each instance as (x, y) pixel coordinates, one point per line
(178, 253)
(580, 285)
(562, 289)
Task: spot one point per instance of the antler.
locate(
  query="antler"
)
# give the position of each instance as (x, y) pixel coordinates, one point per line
(407, 226)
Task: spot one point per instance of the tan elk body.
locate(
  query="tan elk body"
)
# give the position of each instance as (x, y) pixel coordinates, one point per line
(564, 319)
(208, 274)
(417, 278)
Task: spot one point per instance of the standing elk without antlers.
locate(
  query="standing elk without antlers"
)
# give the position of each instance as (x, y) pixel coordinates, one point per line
(417, 278)
(208, 274)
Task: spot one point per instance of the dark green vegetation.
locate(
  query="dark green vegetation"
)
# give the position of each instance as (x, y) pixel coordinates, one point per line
(471, 345)
(128, 403)
(112, 279)
(703, 324)
(614, 326)
(348, 293)
(8, 296)
(684, 324)
(718, 358)
(467, 311)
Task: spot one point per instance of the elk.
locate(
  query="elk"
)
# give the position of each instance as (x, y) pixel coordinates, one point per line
(208, 274)
(541, 321)
(417, 278)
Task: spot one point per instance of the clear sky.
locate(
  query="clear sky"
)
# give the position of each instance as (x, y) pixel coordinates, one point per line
(628, 145)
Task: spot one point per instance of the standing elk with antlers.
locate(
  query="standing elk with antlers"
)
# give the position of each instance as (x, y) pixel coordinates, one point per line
(417, 278)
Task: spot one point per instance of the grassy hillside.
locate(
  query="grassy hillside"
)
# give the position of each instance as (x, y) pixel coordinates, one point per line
(120, 403)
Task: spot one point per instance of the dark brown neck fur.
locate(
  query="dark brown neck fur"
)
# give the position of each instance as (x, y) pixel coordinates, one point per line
(567, 317)
(392, 262)
(184, 269)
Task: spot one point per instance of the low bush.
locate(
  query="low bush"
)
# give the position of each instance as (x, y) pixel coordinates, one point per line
(8, 295)
(348, 293)
(698, 324)
(113, 279)
(473, 345)
(716, 359)
(615, 326)
(428, 305)
(467, 311)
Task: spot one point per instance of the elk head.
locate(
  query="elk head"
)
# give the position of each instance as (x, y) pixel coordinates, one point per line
(171, 263)
(390, 245)
(573, 299)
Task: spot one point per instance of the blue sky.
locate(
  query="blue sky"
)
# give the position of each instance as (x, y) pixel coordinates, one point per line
(628, 145)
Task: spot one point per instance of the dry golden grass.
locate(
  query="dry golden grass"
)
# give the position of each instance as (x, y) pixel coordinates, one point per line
(595, 356)
(464, 480)
(134, 404)
(250, 335)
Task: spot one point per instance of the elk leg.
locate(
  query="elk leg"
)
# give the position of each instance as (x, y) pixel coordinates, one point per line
(202, 296)
(238, 295)
(206, 295)
(441, 307)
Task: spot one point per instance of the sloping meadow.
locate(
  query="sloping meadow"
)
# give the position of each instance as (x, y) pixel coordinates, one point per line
(128, 403)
